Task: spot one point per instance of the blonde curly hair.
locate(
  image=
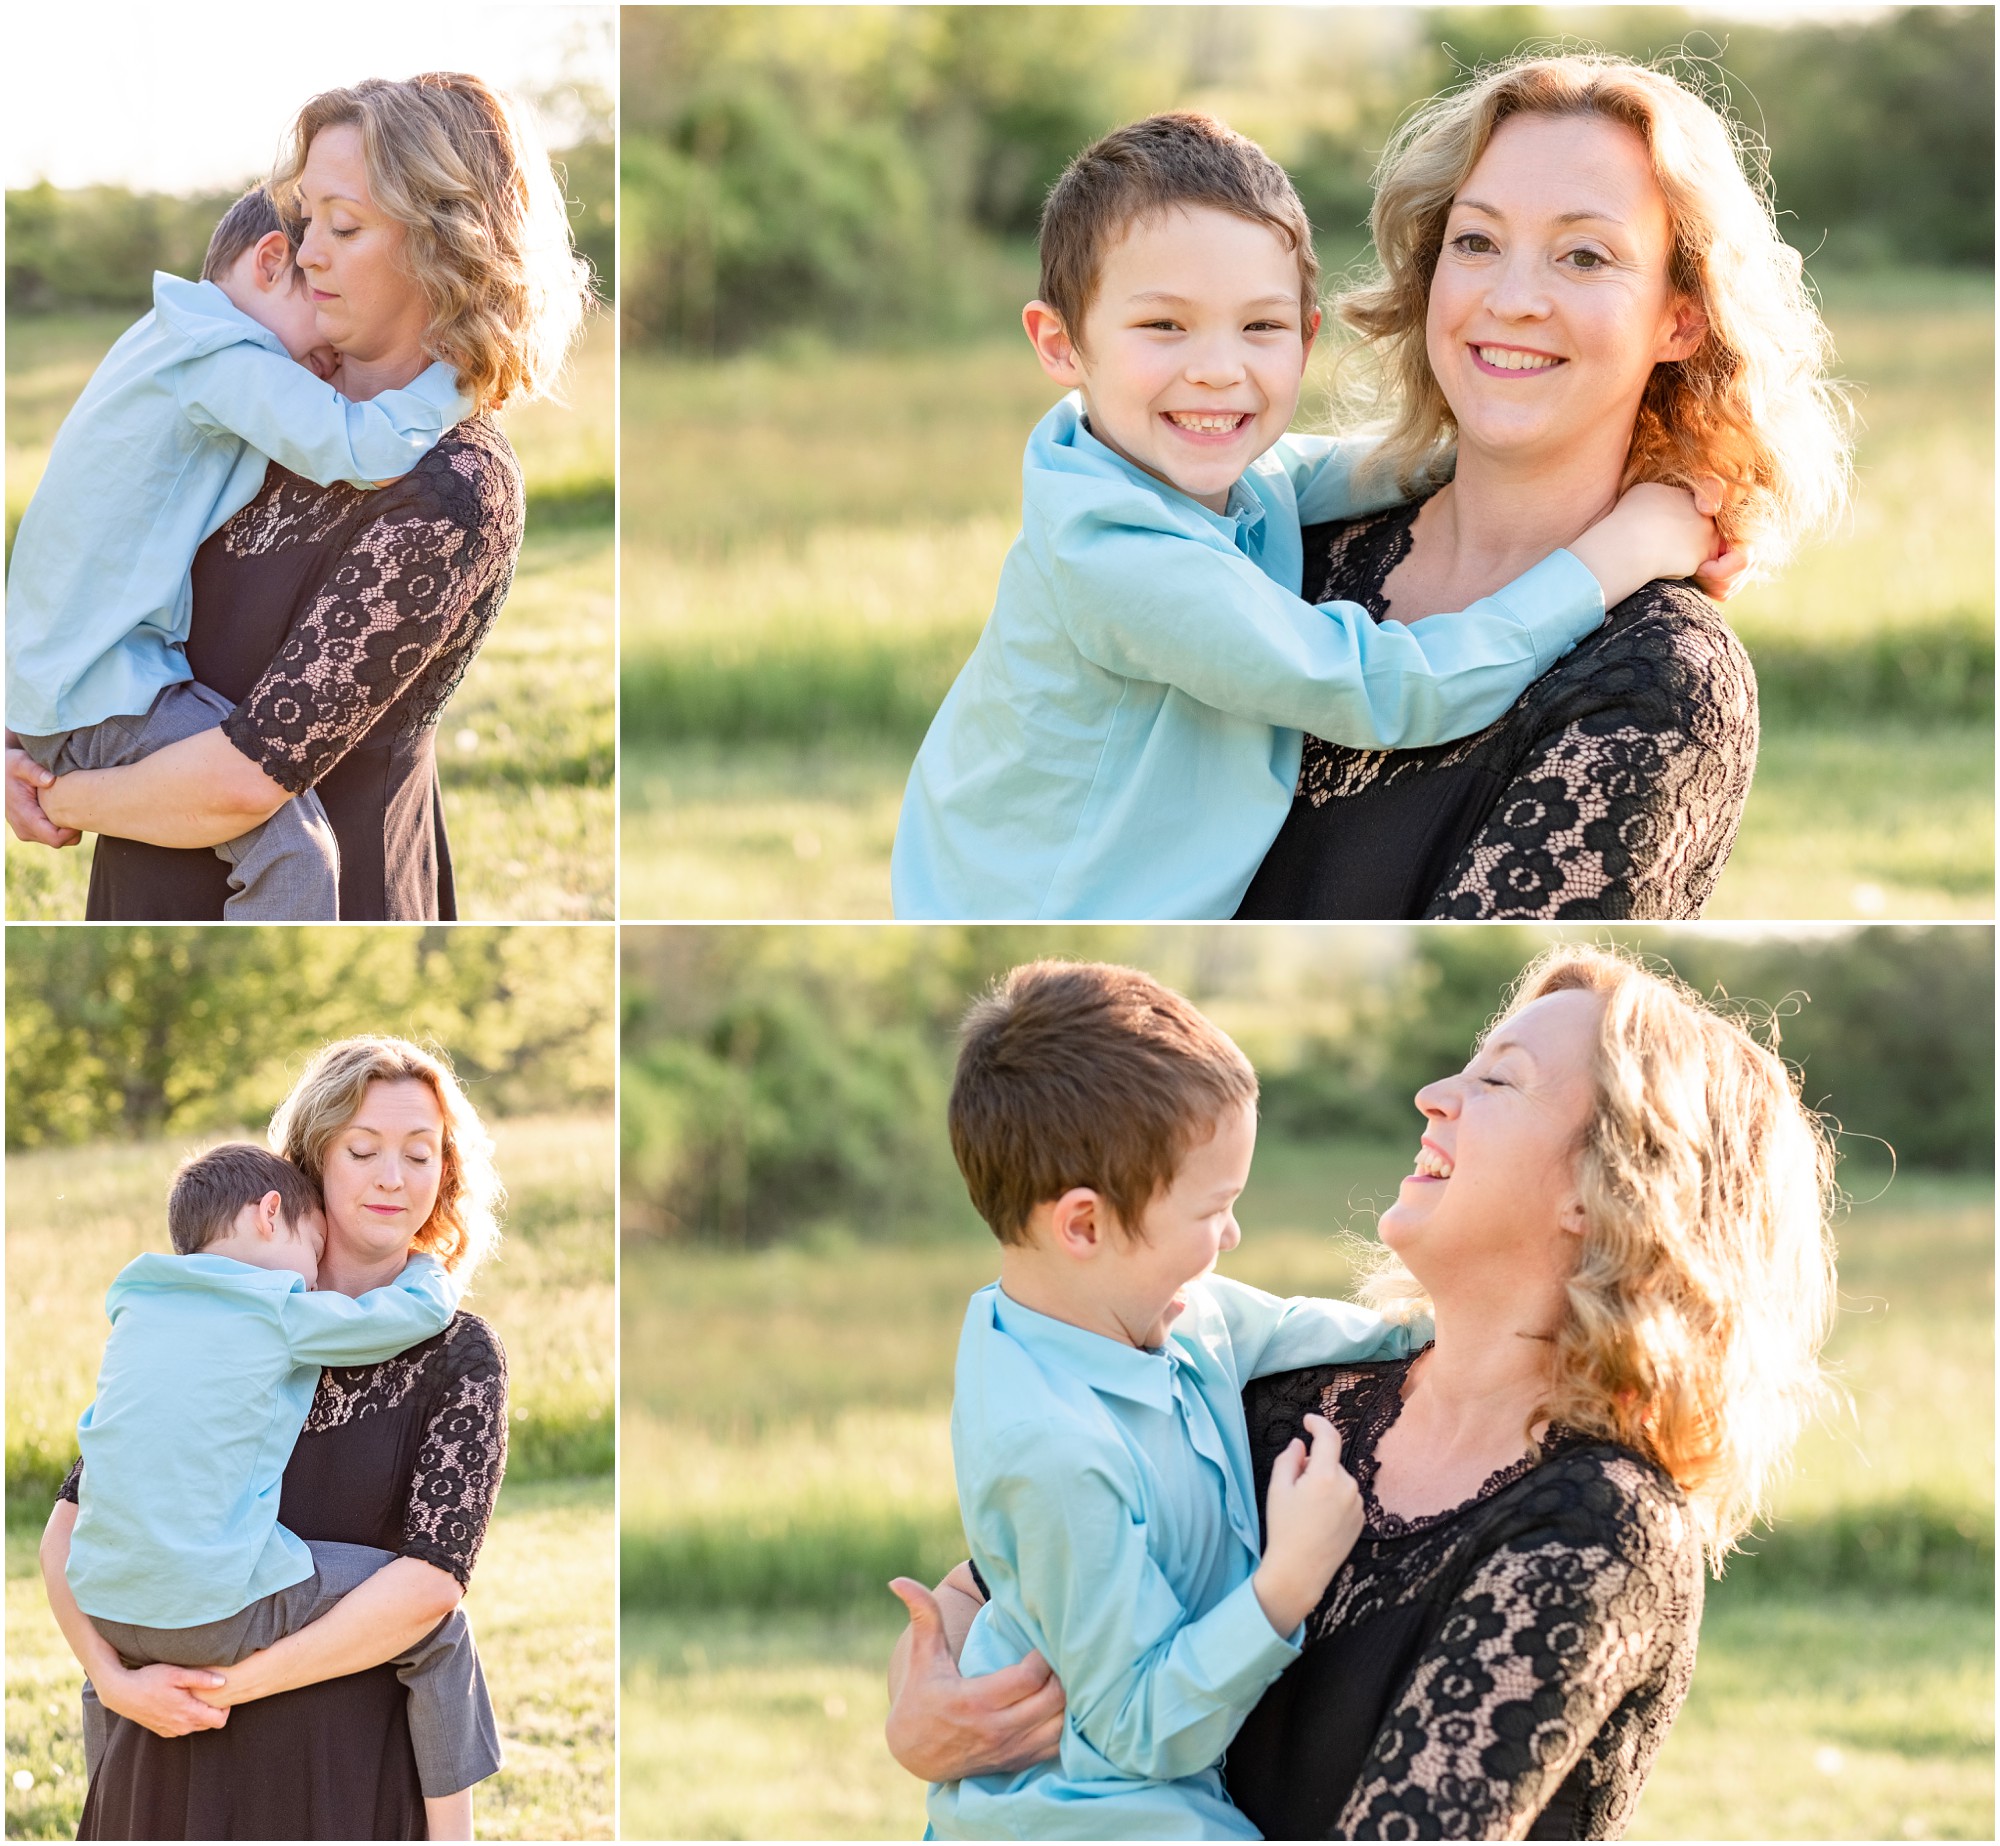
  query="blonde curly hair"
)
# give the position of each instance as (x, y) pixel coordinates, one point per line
(1753, 405)
(464, 1225)
(486, 230)
(1704, 1286)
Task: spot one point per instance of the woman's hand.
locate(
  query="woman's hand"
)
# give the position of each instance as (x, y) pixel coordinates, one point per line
(165, 1699)
(943, 1726)
(26, 779)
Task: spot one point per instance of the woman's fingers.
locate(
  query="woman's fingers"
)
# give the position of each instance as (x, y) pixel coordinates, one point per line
(926, 1618)
(25, 779)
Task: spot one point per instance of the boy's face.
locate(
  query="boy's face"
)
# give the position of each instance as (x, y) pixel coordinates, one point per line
(272, 291)
(298, 1246)
(1184, 1230)
(1193, 350)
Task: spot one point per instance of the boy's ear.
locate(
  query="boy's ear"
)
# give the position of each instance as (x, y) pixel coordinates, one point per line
(1078, 1223)
(1052, 344)
(270, 1209)
(1312, 330)
(272, 254)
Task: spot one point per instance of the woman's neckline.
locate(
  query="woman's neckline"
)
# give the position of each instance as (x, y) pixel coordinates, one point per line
(1379, 1404)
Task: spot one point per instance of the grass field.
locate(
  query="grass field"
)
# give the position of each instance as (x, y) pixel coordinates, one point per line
(526, 749)
(546, 1585)
(797, 596)
(784, 1453)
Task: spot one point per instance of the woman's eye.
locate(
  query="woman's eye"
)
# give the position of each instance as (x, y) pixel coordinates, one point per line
(1587, 259)
(1473, 243)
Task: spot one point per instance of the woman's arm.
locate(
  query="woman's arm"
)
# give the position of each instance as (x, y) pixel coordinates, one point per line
(198, 792)
(26, 779)
(1559, 1633)
(162, 1698)
(400, 1604)
(1629, 805)
(943, 1726)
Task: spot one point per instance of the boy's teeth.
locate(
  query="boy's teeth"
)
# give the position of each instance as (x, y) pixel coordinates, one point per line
(1515, 362)
(1206, 425)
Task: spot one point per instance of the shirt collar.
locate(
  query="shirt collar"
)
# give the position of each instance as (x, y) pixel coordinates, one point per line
(1243, 510)
(1105, 1365)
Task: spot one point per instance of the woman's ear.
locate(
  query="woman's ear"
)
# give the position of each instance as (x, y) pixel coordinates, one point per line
(1573, 1219)
(1685, 332)
(1052, 344)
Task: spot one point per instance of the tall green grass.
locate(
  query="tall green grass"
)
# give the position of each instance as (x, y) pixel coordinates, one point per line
(812, 540)
(526, 750)
(785, 1452)
(75, 1216)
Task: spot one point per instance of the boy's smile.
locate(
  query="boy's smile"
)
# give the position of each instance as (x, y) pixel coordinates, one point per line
(1193, 348)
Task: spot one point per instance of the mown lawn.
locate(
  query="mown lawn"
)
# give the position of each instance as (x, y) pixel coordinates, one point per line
(812, 540)
(526, 750)
(784, 1452)
(546, 1586)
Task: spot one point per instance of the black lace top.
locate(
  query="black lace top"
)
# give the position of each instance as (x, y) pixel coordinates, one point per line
(405, 1456)
(341, 623)
(1611, 788)
(1505, 1669)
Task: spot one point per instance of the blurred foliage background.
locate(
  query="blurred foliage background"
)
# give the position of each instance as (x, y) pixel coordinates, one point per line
(129, 1047)
(797, 1251)
(527, 748)
(829, 227)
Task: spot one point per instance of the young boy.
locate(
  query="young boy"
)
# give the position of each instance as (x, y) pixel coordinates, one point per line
(214, 1355)
(168, 441)
(1105, 1128)
(1125, 738)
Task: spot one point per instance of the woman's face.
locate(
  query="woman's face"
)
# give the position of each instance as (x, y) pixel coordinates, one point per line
(1493, 1197)
(352, 253)
(381, 1170)
(1551, 306)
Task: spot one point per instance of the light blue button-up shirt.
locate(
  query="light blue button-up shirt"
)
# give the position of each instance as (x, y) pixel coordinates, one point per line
(1106, 1492)
(1125, 739)
(170, 439)
(206, 1381)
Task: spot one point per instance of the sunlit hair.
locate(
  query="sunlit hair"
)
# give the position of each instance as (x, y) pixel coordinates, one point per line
(1181, 161)
(486, 229)
(1085, 1074)
(1704, 1286)
(1753, 405)
(463, 1226)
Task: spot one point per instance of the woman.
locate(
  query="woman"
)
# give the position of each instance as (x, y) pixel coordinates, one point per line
(1579, 290)
(406, 1455)
(1618, 1223)
(430, 227)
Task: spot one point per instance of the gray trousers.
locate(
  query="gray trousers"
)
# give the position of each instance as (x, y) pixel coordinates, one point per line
(452, 1730)
(286, 871)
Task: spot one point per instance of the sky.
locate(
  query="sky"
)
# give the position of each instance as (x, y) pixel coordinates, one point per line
(133, 96)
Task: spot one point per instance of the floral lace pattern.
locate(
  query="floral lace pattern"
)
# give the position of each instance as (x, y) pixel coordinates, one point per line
(462, 1376)
(1623, 771)
(423, 569)
(1555, 1642)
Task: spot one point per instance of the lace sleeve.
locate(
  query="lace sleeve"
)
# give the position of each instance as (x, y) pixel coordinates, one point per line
(1629, 805)
(463, 1455)
(71, 1489)
(387, 607)
(1553, 1639)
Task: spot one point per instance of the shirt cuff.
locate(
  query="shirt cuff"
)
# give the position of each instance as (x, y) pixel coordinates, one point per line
(1558, 602)
(1236, 1651)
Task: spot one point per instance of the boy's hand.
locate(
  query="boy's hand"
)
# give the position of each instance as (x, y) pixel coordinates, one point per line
(1312, 1511)
(1653, 531)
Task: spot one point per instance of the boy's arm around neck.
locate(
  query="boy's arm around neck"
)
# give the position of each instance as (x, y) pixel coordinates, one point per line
(1277, 1333)
(278, 407)
(1158, 602)
(1155, 1689)
(333, 1329)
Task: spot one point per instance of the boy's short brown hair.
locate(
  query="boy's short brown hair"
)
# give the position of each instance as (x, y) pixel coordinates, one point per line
(210, 1189)
(1165, 163)
(1085, 1074)
(243, 227)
